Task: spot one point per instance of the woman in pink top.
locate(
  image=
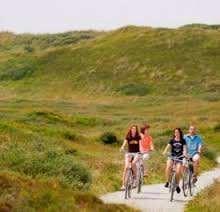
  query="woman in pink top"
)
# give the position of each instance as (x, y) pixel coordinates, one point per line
(146, 144)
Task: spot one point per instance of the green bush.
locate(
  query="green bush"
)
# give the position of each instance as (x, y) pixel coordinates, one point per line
(108, 138)
(77, 176)
(16, 73)
(217, 127)
(134, 89)
(87, 121)
(69, 135)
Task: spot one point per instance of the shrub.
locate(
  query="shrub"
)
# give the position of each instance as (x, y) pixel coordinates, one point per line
(134, 89)
(217, 127)
(69, 135)
(108, 138)
(77, 176)
(16, 73)
(87, 121)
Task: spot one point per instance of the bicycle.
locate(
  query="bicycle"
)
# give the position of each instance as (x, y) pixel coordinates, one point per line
(129, 176)
(188, 184)
(173, 184)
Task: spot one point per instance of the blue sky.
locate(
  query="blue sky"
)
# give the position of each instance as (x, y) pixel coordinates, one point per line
(40, 16)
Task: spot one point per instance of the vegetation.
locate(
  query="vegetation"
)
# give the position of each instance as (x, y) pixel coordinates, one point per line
(63, 97)
(207, 200)
(108, 138)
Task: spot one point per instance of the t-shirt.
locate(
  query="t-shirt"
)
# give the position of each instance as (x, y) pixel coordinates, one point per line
(133, 144)
(177, 147)
(193, 143)
(146, 143)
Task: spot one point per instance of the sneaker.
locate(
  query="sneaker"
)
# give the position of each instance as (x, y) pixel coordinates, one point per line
(178, 190)
(166, 185)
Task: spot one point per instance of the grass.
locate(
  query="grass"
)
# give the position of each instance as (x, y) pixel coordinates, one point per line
(19, 193)
(207, 200)
(59, 94)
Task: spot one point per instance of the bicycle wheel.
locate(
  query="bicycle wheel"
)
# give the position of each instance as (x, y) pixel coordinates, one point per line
(186, 183)
(191, 184)
(172, 186)
(128, 183)
(140, 178)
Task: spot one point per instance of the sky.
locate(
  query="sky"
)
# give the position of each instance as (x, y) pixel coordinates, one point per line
(40, 16)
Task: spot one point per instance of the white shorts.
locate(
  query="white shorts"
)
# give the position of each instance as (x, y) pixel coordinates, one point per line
(145, 156)
(196, 157)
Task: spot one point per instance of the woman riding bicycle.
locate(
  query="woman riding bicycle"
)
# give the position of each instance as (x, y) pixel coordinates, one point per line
(177, 145)
(132, 140)
(146, 144)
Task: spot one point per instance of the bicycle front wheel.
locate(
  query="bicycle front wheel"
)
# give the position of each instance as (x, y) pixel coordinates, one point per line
(172, 186)
(140, 178)
(186, 183)
(128, 183)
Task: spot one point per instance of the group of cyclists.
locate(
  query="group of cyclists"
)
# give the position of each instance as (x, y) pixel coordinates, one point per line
(139, 142)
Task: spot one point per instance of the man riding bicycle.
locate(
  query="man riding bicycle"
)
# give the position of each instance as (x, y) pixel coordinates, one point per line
(194, 145)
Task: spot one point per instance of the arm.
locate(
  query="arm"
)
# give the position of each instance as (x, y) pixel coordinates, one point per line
(141, 135)
(185, 150)
(123, 145)
(200, 146)
(152, 145)
(166, 149)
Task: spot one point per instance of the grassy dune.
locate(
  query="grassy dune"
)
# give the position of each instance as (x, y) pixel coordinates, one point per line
(59, 94)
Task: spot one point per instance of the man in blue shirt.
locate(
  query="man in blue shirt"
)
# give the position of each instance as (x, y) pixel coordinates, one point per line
(194, 145)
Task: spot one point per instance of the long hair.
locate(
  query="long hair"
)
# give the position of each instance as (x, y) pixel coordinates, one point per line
(180, 132)
(129, 134)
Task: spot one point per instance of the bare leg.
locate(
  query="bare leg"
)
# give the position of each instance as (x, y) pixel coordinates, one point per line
(196, 167)
(178, 172)
(168, 169)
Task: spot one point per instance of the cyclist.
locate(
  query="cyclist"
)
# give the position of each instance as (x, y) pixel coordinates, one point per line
(146, 144)
(132, 140)
(194, 145)
(177, 145)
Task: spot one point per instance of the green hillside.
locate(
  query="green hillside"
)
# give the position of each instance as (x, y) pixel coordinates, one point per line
(60, 92)
(131, 60)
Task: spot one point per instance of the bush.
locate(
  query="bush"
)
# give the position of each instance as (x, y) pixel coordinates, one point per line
(108, 138)
(16, 73)
(87, 121)
(69, 136)
(77, 176)
(134, 89)
(217, 127)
